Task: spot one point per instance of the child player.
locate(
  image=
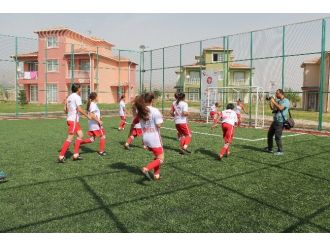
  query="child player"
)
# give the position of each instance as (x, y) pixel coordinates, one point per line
(122, 113)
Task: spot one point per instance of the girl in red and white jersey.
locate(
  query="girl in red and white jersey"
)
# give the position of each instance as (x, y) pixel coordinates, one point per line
(214, 111)
(150, 119)
(136, 131)
(172, 111)
(73, 109)
(122, 113)
(239, 108)
(228, 120)
(180, 113)
(95, 124)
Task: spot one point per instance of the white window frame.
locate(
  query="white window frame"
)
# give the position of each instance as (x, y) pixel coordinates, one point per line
(34, 90)
(52, 42)
(54, 64)
(52, 95)
(239, 82)
(221, 57)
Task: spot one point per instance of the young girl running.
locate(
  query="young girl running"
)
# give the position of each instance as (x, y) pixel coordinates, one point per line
(122, 113)
(150, 119)
(228, 120)
(180, 117)
(214, 114)
(136, 131)
(73, 109)
(95, 124)
(239, 108)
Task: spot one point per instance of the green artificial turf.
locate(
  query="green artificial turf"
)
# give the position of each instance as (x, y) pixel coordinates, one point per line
(251, 191)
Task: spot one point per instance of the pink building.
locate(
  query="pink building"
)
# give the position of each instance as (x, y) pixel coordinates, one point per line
(95, 68)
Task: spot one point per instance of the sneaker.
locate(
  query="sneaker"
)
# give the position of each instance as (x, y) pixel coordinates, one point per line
(146, 174)
(181, 151)
(227, 154)
(266, 149)
(102, 153)
(61, 160)
(157, 178)
(77, 158)
(219, 157)
(126, 147)
(278, 153)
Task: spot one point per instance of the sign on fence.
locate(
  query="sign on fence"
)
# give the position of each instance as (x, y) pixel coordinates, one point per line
(209, 79)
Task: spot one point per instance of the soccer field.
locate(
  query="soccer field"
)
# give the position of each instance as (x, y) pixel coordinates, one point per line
(251, 191)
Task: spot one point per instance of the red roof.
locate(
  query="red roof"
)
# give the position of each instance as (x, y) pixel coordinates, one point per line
(31, 54)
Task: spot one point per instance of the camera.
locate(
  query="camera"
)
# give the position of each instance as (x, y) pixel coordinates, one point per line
(269, 97)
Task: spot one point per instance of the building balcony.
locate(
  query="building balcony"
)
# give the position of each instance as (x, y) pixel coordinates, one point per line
(193, 81)
(28, 75)
(78, 74)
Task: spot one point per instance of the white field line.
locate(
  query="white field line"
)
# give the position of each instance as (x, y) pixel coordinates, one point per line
(237, 138)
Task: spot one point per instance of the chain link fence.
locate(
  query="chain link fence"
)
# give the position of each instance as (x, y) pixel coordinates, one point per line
(36, 74)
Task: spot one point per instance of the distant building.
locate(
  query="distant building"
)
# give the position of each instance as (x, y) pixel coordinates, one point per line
(311, 84)
(213, 58)
(95, 68)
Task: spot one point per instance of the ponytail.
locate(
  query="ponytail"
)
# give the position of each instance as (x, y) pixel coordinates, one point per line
(92, 96)
(180, 97)
(140, 104)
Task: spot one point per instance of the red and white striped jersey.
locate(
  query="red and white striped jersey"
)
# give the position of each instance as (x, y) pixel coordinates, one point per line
(228, 116)
(72, 103)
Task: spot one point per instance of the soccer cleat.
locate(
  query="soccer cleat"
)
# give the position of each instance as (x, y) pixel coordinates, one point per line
(187, 151)
(146, 174)
(227, 154)
(278, 153)
(181, 151)
(219, 157)
(126, 147)
(77, 158)
(268, 150)
(61, 160)
(102, 153)
(157, 178)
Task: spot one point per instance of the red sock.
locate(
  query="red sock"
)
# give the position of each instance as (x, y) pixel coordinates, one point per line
(86, 141)
(130, 139)
(65, 147)
(228, 151)
(187, 140)
(77, 146)
(157, 170)
(102, 144)
(224, 149)
(154, 165)
(182, 140)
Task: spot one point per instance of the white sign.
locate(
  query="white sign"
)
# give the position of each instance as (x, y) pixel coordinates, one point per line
(209, 79)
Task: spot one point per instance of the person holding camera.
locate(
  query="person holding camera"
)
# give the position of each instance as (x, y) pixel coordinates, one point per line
(280, 108)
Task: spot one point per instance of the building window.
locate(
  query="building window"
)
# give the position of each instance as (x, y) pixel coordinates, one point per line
(52, 93)
(52, 65)
(52, 42)
(33, 93)
(193, 94)
(32, 66)
(84, 65)
(217, 57)
(194, 77)
(239, 78)
(85, 90)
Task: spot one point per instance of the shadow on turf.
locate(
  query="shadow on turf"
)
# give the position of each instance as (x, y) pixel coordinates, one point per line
(207, 152)
(131, 169)
(252, 148)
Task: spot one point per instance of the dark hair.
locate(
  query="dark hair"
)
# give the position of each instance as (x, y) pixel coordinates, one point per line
(181, 96)
(216, 104)
(92, 96)
(280, 91)
(140, 104)
(230, 106)
(75, 87)
(122, 97)
(239, 100)
(176, 95)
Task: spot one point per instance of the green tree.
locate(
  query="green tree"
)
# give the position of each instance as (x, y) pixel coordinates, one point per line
(292, 95)
(22, 97)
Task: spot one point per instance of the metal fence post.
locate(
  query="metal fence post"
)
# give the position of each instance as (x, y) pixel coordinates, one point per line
(224, 66)
(283, 56)
(72, 64)
(97, 69)
(16, 75)
(150, 71)
(322, 79)
(227, 67)
(163, 99)
(250, 80)
(119, 76)
(200, 72)
(140, 72)
(46, 82)
(181, 72)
